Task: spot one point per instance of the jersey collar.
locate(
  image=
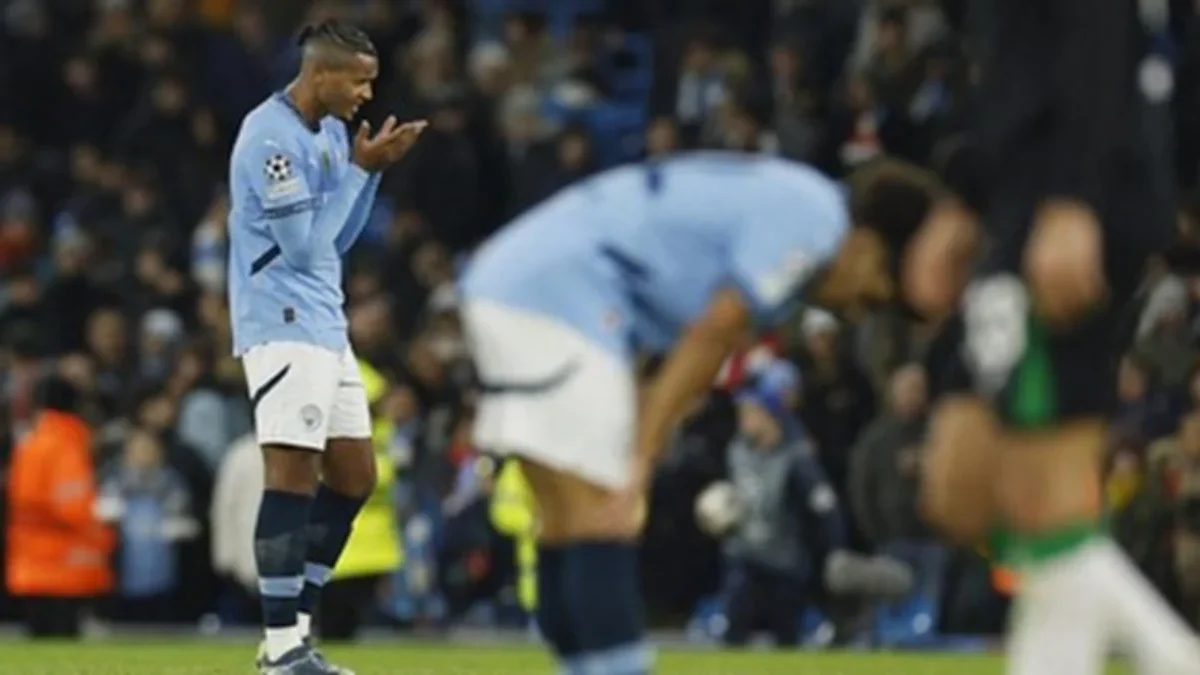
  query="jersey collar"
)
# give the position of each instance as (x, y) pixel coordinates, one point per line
(282, 97)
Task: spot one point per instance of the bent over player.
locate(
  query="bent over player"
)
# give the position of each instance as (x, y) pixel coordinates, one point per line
(301, 194)
(687, 256)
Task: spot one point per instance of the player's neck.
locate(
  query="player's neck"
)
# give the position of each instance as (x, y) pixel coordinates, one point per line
(304, 100)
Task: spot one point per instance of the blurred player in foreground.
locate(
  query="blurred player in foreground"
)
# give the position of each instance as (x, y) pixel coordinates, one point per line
(301, 192)
(1076, 197)
(688, 256)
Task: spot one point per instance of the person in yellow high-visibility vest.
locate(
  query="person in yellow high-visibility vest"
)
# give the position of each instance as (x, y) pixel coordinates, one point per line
(514, 514)
(374, 551)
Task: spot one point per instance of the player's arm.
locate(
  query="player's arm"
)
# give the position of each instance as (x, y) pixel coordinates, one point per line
(1092, 100)
(689, 371)
(274, 166)
(387, 147)
(769, 266)
(359, 215)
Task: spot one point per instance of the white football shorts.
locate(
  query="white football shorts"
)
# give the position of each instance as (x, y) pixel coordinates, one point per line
(551, 395)
(303, 394)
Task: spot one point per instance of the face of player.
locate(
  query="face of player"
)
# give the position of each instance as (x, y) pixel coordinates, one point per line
(345, 88)
(860, 278)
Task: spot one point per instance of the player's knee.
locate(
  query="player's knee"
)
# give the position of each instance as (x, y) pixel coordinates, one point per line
(571, 509)
(348, 467)
(956, 482)
(290, 469)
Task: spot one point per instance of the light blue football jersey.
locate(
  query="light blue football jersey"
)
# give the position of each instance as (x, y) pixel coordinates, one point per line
(297, 204)
(635, 254)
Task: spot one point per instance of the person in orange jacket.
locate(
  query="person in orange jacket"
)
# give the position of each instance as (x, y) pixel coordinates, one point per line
(58, 549)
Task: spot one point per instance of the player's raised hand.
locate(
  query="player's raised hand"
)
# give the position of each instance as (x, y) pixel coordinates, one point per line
(1064, 261)
(374, 152)
(406, 136)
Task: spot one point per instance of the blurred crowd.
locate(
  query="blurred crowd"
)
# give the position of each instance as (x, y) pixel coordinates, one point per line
(116, 118)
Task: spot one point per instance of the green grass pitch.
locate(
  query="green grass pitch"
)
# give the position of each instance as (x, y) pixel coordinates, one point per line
(192, 658)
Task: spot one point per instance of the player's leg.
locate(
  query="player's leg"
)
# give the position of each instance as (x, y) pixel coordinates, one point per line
(959, 469)
(593, 588)
(565, 406)
(290, 387)
(961, 455)
(347, 478)
(1050, 484)
(1077, 588)
(1046, 491)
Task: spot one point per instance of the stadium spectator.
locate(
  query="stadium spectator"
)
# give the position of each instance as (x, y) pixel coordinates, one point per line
(149, 503)
(58, 549)
(237, 491)
(838, 401)
(791, 517)
(884, 465)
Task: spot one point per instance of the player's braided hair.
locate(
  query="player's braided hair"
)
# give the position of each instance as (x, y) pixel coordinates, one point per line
(338, 34)
(893, 198)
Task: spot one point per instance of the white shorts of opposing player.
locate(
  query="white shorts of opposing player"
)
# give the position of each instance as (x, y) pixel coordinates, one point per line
(304, 395)
(551, 394)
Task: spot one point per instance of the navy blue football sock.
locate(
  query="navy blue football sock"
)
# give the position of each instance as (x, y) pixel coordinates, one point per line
(329, 523)
(553, 617)
(604, 601)
(279, 547)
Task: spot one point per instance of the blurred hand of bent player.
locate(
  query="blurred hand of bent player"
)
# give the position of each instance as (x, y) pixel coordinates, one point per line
(627, 510)
(1064, 261)
(939, 260)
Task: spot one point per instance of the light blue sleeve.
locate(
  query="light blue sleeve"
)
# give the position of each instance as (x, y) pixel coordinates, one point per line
(779, 248)
(359, 216)
(274, 166)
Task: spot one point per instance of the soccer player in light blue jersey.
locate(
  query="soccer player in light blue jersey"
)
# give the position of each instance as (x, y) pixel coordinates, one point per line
(301, 192)
(685, 257)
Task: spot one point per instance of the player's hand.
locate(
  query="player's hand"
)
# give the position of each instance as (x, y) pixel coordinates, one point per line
(626, 512)
(408, 134)
(938, 263)
(375, 152)
(1064, 261)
